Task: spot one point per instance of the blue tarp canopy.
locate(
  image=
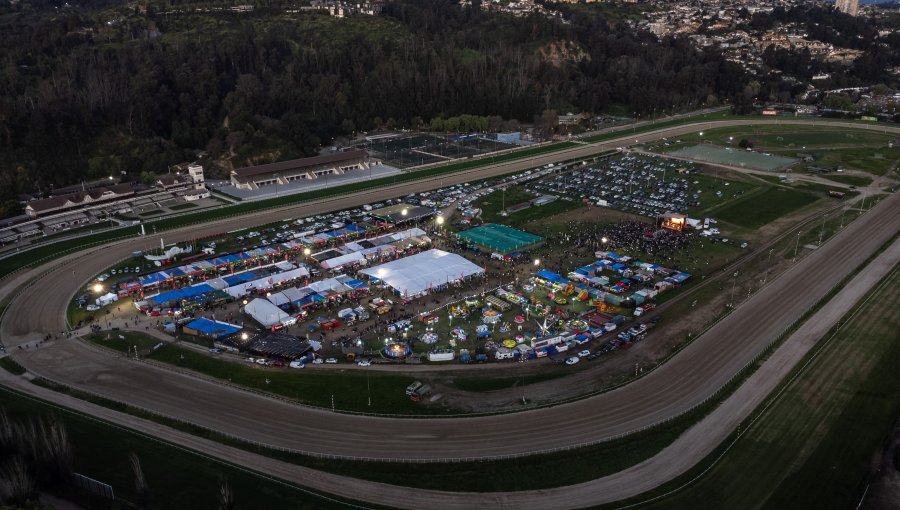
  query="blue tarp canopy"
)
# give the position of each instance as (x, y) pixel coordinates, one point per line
(550, 276)
(585, 270)
(679, 277)
(179, 294)
(213, 328)
(239, 278)
(355, 284)
(154, 278)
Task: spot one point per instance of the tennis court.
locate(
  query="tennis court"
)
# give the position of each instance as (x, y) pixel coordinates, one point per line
(499, 238)
(734, 157)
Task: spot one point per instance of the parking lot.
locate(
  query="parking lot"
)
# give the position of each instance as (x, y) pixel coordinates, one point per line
(643, 185)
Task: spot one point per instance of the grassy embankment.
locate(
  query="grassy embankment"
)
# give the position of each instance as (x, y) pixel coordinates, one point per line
(176, 478)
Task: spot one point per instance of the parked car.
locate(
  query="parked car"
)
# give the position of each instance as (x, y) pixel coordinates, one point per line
(318, 361)
(364, 363)
(572, 360)
(297, 364)
(92, 308)
(584, 353)
(331, 360)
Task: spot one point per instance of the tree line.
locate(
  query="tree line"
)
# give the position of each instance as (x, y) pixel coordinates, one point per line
(88, 93)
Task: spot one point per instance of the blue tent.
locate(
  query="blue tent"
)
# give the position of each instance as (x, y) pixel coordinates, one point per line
(550, 276)
(212, 328)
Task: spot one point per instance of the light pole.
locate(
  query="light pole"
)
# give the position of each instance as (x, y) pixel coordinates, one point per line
(733, 285)
(796, 246)
(822, 230)
(768, 259)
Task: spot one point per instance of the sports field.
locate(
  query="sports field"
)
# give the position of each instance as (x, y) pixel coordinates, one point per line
(762, 208)
(499, 238)
(733, 157)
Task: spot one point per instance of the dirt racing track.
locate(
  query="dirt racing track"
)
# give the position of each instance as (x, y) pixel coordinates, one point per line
(688, 379)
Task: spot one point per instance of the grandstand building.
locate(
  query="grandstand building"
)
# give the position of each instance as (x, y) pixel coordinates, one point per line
(283, 172)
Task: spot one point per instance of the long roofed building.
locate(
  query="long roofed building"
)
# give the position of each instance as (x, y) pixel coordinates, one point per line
(283, 172)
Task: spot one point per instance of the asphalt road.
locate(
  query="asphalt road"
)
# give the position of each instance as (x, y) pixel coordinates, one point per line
(678, 385)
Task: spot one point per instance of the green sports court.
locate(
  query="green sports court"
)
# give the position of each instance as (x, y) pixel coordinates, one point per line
(499, 238)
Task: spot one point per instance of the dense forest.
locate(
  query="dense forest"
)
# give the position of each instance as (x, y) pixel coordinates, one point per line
(103, 89)
(89, 93)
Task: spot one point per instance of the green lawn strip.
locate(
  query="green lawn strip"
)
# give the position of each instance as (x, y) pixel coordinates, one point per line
(620, 133)
(176, 477)
(876, 161)
(349, 387)
(487, 383)
(866, 151)
(123, 341)
(519, 218)
(11, 366)
(759, 209)
(439, 169)
(788, 136)
(853, 180)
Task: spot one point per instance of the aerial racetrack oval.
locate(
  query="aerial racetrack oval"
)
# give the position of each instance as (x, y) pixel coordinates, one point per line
(688, 379)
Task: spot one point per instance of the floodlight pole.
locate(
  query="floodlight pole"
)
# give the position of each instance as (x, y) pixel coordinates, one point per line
(796, 246)
(822, 230)
(733, 285)
(766, 277)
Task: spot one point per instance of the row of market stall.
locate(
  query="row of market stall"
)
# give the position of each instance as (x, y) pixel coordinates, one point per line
(365, 251)
(375, 247)
(225, 288)
(629, 283)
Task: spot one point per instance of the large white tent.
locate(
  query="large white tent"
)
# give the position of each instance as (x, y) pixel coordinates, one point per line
(267, 314)
(417, 274)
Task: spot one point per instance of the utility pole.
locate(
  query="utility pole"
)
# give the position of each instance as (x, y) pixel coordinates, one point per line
(768, 259)
(733, 285)
(822, 230)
